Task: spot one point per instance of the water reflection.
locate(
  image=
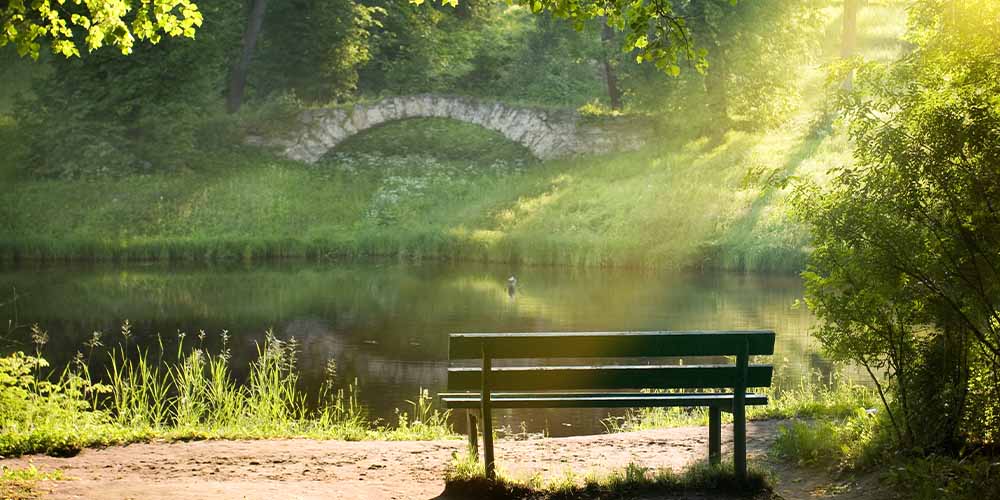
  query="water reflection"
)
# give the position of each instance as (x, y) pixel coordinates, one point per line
(386, 324)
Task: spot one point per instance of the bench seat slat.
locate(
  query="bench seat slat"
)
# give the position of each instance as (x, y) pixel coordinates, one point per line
(568, 378)
(599, 400)
(609, 344)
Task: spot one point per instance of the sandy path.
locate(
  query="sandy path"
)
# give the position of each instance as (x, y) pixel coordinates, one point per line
(307, 469)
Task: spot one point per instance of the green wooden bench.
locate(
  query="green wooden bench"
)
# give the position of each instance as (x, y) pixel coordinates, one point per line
(610, 386)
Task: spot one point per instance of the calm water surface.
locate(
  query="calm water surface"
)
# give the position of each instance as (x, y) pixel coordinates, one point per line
(387, 324)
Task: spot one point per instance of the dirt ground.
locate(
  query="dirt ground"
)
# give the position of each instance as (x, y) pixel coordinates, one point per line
(308, 469)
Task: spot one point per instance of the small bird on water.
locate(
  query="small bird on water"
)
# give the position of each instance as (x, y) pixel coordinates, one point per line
(511, 285)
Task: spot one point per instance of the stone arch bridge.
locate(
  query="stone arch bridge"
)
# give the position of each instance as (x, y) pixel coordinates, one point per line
(547, 133)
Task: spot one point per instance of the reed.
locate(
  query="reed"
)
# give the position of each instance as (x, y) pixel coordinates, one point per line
(188, 393)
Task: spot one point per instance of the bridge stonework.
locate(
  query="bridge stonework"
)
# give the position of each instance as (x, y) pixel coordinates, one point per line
(548, 134)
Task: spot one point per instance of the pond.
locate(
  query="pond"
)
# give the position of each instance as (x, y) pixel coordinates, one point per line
(387, 324)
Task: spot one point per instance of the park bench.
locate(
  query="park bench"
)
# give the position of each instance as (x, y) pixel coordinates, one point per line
(719, 387)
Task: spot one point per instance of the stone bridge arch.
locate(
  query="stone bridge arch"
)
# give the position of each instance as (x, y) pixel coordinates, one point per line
(547, 133)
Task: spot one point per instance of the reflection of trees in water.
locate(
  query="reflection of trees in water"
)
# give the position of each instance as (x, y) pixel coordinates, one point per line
(385, 382)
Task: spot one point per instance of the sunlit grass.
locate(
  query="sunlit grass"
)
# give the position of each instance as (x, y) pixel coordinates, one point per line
(466, 478)
(863, 443)
(189, 394)
(654, 211)
(23, 483)
(808, 398)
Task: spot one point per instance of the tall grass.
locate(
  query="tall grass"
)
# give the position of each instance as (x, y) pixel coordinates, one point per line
(185, 394)
(863, 443)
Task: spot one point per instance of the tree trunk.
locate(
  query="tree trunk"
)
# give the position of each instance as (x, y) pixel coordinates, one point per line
(717, 88)
(849, 37)
(614, 93)
(716, 77)
(238, 77)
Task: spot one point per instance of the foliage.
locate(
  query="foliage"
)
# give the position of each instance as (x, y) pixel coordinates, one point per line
(864, 443)
(429, 49)
(754, 64)
(755, 52)
(654, 31)
(93, 24)
(195, 395)
(48, 416)
(692, 199)
(161, 109)
(904, 271)
(313, 48)
(943, 478)
(106, 115)
(536, 59)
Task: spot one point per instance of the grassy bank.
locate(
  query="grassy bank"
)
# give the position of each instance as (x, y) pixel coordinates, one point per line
(692, 205)
(187, 394)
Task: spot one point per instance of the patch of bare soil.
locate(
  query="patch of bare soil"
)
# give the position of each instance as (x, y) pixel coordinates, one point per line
(310, 469)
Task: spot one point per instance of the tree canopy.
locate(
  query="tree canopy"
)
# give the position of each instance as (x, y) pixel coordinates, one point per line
(69, 25)
(906, 271)
(654, 30)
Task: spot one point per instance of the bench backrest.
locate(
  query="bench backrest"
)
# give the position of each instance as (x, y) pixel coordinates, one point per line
(490, 346)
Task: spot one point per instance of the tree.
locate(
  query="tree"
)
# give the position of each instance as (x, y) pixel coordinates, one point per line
(104, 114)
(238, 75)
(610, 77)
(655, 31)
(313, 48)
(905, 274)
(92, 24)
(430, 48)
(849, 37)
(754, 50)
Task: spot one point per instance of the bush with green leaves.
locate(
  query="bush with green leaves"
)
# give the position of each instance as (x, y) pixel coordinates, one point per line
(105, 115)
(905, 274)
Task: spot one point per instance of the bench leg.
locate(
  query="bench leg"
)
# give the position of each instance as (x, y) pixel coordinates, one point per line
(487, 416)
(714, 435)
(740, 440)
(488, 445)
(740, 415)
(473, 437)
